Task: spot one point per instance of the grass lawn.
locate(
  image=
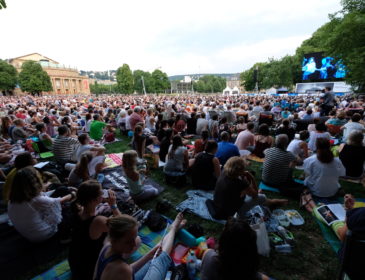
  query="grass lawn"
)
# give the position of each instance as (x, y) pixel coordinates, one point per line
(312, 257)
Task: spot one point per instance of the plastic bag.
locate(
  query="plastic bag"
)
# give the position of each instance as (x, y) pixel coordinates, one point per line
(262, 241)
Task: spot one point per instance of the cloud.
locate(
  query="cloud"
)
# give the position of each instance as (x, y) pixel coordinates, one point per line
(178, 36)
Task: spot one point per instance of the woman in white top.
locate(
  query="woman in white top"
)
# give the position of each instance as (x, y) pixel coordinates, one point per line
(150, 120)
(299, 147)
(319, 133)
(177, 158)
(322, 171)
(33, 214)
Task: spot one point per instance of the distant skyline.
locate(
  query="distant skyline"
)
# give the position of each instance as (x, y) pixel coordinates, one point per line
(177, 37)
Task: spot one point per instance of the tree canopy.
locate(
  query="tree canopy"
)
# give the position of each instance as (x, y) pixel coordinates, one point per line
(210, 83)
(160, 81)
(343, 38)
(33, 78)
(2, 4)
(125, 79)
(8, 76)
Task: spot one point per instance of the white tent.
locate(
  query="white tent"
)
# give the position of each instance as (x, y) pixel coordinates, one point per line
(227, 91)
(271, 91)
(235, 90)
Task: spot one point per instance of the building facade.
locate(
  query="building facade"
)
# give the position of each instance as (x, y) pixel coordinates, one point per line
(64, 80)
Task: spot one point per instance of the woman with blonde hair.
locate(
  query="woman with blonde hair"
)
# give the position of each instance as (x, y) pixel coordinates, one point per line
(135, 178)
(236, 191)
(122, 240)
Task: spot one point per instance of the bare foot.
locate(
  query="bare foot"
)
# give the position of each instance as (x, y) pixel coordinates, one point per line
(178, 223)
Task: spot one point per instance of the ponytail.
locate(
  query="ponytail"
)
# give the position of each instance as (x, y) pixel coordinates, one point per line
(81, 168)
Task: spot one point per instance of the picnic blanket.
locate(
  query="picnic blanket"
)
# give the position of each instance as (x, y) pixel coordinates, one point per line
(196, 204)
(150, 239)
(115, 178)
(113, 160)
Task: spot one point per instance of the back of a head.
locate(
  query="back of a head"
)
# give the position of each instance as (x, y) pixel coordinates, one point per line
(82, 138)
(264, 129)
(250, 126)
(356, 117)
(237, 251)
(26, 185)
(324, 153)
(355, 138)
(286, 123)
(137, 129)
(234, 167)
(96, 117)
(62, 130)
(282, 141)
(23, 160)
(88, 191)
(177, 141)
(120, 226)
(321, 127)
(304, 135)
(205, 134)
(129, 159)
(225, 136)
(211, 146)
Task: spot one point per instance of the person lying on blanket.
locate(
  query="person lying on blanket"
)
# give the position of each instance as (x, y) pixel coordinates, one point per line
(236, 255)
(236, 191)
(122, 240)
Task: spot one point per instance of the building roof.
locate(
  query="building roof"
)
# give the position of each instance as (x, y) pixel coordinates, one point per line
(24, 57)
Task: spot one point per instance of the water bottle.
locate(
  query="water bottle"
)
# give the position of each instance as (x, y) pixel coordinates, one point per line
(191, 265)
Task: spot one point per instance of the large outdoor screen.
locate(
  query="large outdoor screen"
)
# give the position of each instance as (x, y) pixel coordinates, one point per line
(315, 66)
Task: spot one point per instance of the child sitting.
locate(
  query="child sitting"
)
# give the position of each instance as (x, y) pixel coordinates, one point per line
(136, 179)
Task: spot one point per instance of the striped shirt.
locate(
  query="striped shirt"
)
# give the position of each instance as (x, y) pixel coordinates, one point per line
(64, 147)
(276, 166)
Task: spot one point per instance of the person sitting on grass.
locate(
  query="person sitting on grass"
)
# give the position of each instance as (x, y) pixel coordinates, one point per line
(352, 154)
(206, 168)
(236, 191)
(177, 158)
(85, 146)
(236, 254)
(22, 160)
(135, 178)
(277, 168)
(80, 172)
(299, 147)
(35, 215)
(200, 143)
(89, 230)
(321, 132)
(263, 141)
(323, 170)
(96, 128)
(123, 237)
(226, 150)
(45, 143)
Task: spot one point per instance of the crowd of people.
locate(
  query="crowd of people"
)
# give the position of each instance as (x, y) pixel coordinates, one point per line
(205, 137)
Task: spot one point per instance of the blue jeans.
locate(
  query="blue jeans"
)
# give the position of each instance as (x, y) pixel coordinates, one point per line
(155, 269)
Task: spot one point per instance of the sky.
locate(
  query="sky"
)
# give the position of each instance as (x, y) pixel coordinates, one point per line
(178, 37)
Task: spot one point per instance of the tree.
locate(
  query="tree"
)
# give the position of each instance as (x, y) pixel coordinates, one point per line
(125, 79)
(34, 79)
(210, 83)
(347, 43)
(160, 81)
(147, 78)
(2, 4)
(8, 76)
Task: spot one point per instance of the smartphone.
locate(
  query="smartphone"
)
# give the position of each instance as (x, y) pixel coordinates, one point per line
(105, 194)
(186, 210)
